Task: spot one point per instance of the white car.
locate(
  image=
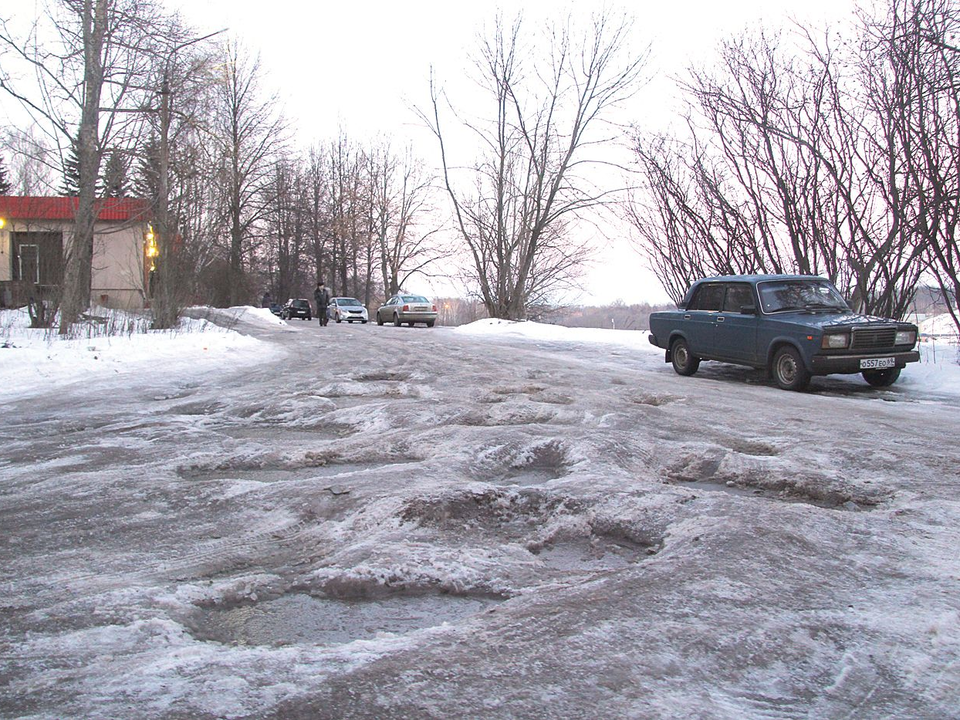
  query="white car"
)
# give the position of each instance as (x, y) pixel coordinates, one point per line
(346, 308)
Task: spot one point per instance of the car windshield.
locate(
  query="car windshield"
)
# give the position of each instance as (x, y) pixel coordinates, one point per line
(349, 302)
(299, 303)
(785, 295)
(414, 299)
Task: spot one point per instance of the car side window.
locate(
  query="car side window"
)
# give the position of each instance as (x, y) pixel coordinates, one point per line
(709, 297)
(738, 295)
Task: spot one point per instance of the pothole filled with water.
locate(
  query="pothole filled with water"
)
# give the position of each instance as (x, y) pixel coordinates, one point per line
(827, 499)
(301, 619)
(593, 555)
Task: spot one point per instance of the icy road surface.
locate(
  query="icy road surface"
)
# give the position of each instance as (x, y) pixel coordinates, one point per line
(410, 523)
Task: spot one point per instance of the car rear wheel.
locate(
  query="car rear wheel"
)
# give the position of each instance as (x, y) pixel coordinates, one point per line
(881, 378)
(430, 323)
(396, 320)
(789, 370)
(684, 361)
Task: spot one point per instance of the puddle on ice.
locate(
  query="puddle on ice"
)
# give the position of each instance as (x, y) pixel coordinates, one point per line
(584, 556)
(274, 474)
(300, 619)
(829, 502)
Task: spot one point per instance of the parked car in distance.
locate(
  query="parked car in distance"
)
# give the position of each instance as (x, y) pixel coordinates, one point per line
(276, 309)
(346, 308)
(296, 307)
(409, 309)
(794, 326)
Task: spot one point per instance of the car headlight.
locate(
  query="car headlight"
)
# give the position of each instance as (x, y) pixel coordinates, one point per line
(906, 337)
(835, 341)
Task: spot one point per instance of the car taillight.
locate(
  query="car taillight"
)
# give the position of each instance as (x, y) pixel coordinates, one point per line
(434, 307)
(406, 308)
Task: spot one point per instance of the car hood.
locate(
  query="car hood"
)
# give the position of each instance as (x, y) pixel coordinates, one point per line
(833, 318)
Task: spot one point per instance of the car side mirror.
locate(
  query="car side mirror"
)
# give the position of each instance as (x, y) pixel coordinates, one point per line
(748, 309)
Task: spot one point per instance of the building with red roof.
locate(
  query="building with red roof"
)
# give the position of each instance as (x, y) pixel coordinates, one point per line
(35, 233)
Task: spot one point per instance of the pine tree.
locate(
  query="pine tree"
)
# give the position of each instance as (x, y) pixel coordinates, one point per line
(115, 180)
(146, 180)
(5, 185)
(71, 172)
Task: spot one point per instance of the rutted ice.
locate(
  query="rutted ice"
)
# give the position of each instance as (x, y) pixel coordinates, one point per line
(637, 592)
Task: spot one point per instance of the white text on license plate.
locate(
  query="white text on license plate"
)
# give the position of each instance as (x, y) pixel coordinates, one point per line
(877, 363)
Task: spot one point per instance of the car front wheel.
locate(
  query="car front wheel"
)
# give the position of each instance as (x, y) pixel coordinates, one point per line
(789, 370)
(881, 378)
(684, 361)
(379, 319)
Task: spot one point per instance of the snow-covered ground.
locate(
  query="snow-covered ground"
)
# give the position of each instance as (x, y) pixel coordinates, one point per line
(252, 518)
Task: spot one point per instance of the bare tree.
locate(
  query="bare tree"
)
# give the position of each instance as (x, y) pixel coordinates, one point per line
(182, 81)
(786, 170)
(249, 132)
(916, 41)
(30, 169)
(401, 191)
(530, 182)
(85, 73)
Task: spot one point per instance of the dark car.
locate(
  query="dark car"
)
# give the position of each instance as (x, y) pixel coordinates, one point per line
(407, 309)
(297, 308)
(347, 308)
(795, 326)
(276, 309)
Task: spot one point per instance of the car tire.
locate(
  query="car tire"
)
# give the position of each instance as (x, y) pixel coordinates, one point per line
(396, 320)
(363, 322)
(881, 378)
(684, 361)
(430, 323)
(788, 369)
(379, 319)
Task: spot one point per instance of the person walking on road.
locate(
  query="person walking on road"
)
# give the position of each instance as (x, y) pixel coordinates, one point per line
(322, 297)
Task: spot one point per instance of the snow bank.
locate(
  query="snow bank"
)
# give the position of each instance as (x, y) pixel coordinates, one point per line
(635, 339)
(34, 359)
(939, 326)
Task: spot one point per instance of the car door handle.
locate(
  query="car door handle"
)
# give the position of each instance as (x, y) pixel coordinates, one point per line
(686, 317)
(720, 319)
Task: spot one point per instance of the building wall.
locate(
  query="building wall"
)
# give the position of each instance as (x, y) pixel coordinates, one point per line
(118, 273)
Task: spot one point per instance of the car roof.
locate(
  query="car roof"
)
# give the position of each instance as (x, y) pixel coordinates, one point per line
(758, 278)
(343, 297)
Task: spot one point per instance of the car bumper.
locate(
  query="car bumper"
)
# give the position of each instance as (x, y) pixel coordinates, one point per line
(827, 364)
(417, 317)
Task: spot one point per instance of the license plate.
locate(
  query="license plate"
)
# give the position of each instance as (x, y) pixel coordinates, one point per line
(877, 363)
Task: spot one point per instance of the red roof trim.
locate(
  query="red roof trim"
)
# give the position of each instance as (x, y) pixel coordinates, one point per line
(15, 207)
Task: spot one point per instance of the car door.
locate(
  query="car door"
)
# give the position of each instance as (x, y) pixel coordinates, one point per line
(700, 318)
(735, 335)
(387, 310)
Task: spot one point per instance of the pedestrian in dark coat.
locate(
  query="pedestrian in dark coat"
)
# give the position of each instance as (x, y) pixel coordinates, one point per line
(322, 297)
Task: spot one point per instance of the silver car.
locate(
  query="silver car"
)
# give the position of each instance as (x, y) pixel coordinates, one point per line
(407, 309)
(346, 308)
